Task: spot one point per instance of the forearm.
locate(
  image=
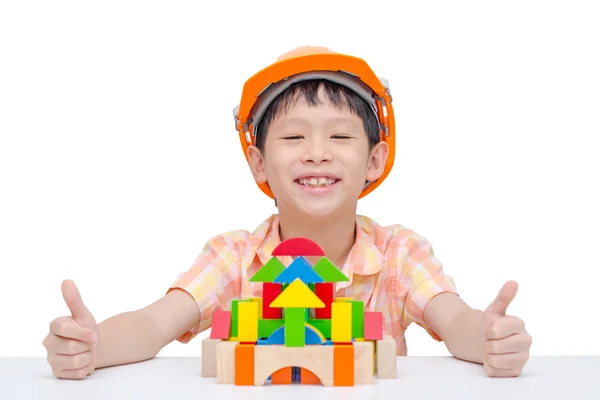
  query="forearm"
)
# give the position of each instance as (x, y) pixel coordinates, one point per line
(465, 337)
(126, 338)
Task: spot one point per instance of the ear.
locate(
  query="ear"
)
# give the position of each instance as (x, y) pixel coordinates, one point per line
(257, 164)
(377, 160)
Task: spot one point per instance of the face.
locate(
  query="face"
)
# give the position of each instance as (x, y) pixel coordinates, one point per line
(316, 160)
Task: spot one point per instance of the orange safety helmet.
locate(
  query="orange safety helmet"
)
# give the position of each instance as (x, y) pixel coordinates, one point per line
(310, 62)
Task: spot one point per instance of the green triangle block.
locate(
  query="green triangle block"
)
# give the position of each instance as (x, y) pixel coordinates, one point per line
(269, 271)
(328, 271)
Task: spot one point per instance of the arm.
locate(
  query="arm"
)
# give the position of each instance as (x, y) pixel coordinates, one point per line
(139, 335)
(459, 326)
(492, 338)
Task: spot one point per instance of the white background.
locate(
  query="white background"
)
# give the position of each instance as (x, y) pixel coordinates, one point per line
(118, 157)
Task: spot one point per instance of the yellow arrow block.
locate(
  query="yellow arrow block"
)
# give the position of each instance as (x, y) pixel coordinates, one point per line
(297, 295)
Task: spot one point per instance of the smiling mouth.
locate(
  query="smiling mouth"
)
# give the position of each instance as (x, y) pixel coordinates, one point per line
(316, 182)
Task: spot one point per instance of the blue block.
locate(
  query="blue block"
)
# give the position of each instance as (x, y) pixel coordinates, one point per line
(299, 268)
(262, 342)
(311, 337)
(277, 337)
(328, 342)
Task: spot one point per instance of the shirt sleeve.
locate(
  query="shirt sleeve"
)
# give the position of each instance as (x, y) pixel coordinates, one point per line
(426, 279)
(213, 281)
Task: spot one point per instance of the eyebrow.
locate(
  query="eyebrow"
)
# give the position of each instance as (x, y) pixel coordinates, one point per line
(305, 121)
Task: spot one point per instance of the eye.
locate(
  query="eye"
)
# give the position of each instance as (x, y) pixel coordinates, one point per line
(341, 137)
(292, 137)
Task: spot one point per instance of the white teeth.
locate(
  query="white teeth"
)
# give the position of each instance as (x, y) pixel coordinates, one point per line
(316, 181)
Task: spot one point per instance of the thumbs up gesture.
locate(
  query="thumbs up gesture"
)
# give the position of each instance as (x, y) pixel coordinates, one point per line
(506, 342)
(72, 339)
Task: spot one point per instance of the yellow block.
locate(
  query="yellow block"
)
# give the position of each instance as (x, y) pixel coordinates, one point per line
(343, 299)
(259, 301)
(297, 295)
(248, 321)
(341, 322)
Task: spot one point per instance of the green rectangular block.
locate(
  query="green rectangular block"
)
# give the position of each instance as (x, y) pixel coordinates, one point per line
(268, 326)
(358, 319)
(294, 327)
(323, 326)
(234, 316)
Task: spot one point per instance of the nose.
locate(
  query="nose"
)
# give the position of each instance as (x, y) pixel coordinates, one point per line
(316, 152)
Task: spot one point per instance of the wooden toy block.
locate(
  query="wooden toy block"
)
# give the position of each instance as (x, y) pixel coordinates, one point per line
(358, 323)
(259, 301)
(234, 315)
(317, 359)
(312, 335)
(209, 357)
(297, 295)
(294, 327)
(363, 363)
(282, 376)
(386, 357)
(298, 247)
(341, 322)
(308, 378)
(226, 362)
(323, 325)
(324, 291)
(244, 364)
(262, 342)
(269, 271)
(328, 271)
(270, 293)
(343, 365)
(298, 269)
(277, 337)
(267, 326)
(374, 356)
(343, 299)
(373, 323)
(248, 321)
(221, 325)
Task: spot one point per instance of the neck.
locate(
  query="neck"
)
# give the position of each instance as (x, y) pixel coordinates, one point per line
(334, 235)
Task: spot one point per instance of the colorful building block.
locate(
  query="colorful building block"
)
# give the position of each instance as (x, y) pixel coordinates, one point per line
(282, 376)
(386, 357)
(209, 357)
(267, 326)
(244, 364)
(325, 292)
(226, 362)
(277, 337)
(234, 315)
(297, 295)
(343, 365)
(298, 269)
(259, 301)
(269, 271)
(248, 322)
(341, 322)
(270, 293)
(373, 322)
(322, 325)
(358, 322)
(294, 327)
(221, 325)
(328, 271)
(308, 378)
(298, 247)
(363, 363)
(312, 335)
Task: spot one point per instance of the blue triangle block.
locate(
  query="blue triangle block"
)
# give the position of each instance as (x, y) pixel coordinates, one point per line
(311, 337)
(299, 268)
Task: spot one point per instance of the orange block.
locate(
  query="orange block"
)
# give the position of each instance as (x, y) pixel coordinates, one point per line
(308, 378)
(282, 376)
(343, 365)
(244, 364)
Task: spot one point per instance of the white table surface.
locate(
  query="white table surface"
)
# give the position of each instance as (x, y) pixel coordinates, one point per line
(179, 378)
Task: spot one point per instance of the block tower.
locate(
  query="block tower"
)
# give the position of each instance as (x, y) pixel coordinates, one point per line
(298, 331)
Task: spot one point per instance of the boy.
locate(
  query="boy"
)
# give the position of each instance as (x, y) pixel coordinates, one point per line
(317, 129)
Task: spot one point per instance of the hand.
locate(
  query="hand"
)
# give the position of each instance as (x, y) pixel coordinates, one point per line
(72, 339)
(507, 343)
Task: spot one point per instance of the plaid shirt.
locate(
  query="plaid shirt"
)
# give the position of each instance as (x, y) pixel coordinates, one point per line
(390, 268)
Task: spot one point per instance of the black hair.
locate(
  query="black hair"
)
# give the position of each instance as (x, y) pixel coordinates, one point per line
(338, 95)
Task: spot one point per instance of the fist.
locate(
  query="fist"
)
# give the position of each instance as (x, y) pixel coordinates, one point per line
(72, 339)
(506, 342)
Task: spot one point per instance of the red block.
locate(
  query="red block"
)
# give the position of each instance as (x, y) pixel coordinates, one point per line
(270, 293)
(298, 247)
(221, 322)
(325, 292)
(373, 325)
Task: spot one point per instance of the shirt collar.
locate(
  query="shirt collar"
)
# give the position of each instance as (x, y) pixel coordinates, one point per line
(365, 257)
